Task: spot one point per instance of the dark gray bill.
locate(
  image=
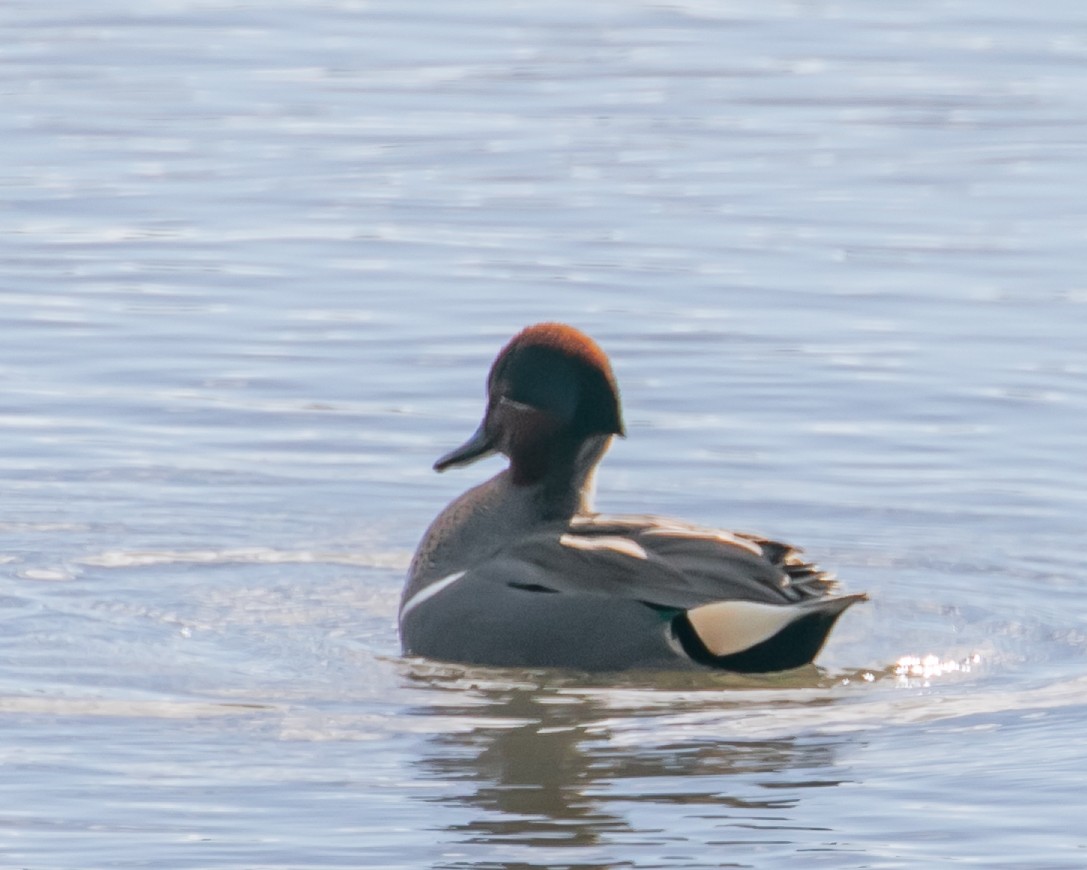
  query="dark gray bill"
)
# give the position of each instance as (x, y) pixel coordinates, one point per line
(476, 447)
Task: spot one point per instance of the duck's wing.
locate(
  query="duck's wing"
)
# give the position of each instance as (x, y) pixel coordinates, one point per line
(712, 564)
(733, 601)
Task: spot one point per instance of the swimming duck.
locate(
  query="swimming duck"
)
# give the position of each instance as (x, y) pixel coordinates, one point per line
(520, 572)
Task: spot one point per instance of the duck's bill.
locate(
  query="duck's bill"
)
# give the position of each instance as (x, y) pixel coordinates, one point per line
(476, 447)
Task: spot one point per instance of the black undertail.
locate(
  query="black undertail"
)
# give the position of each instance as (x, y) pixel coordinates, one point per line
(794, 646)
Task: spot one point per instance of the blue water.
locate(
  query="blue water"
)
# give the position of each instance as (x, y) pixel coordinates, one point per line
(254, 262)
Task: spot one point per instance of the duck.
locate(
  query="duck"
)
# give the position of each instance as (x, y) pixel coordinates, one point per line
(521, 572)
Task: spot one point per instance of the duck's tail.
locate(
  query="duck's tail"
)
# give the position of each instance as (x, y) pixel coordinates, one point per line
(752, 637)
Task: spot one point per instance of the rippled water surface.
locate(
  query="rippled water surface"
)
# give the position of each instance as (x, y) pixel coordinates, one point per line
(255, 260)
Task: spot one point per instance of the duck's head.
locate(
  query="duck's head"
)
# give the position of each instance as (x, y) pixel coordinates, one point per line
(550, 393)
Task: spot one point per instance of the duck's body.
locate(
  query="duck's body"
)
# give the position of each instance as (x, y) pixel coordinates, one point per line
(520, 572)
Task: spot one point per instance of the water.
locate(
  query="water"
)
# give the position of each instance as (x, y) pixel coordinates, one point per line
(254, 262)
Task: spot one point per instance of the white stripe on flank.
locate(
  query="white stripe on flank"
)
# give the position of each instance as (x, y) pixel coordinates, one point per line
(728, 627)
(428, 592)
(615, 543)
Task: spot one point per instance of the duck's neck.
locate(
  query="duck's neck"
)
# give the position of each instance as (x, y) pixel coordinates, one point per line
(492, 515)
(568, 485)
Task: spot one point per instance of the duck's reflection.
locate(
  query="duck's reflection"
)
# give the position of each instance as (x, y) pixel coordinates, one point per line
(551, 762)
